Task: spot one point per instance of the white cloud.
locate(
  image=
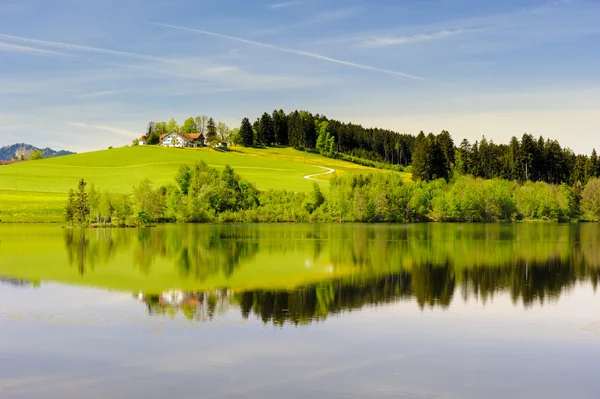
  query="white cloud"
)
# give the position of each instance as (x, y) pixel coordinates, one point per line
(106, 128)
(97, 94)
(383, 41)
(275, 6)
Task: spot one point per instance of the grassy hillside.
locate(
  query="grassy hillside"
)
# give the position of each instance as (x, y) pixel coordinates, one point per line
(35, 191)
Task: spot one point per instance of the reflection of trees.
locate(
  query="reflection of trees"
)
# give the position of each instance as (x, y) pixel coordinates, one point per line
(429, 263)
(88, 248)
(527, 281)
(197, 251)
(200, 252)
(430, 285)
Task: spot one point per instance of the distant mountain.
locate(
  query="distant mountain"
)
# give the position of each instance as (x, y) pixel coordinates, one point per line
(8, 152)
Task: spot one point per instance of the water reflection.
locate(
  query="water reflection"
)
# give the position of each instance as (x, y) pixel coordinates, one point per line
(302, 273)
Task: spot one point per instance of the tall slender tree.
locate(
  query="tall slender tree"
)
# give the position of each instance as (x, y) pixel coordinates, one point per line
(211, 131)
(266, 129)
(246, 133)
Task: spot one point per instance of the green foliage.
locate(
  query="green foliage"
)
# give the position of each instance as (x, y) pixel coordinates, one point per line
(235, 137)
(172, 126)
(246, 133)
(105, 207)
(325, 142)
(154, 138)
(183, 178)
(81, 207)
(94, 203)
(590, 199)
(70, 207)
(36, 155)
(189, 126)
(211, 131)
(223, 131)
(433, 157)
(122, 208)
(135, 142)
(265, 130)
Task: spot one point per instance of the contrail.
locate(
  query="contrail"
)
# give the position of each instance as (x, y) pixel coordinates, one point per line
(75, 47)
(292, 51)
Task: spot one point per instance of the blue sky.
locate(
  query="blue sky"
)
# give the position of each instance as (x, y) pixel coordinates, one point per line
(84, 75)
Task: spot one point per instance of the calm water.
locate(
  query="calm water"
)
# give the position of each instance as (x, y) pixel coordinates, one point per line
(296, 311)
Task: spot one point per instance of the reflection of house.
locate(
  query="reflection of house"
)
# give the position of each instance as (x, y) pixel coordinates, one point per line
(143, 140)
(182, 140)
(200, 306)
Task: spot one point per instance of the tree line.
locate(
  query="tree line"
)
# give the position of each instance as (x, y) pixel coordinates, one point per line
(303, 130)
(528, 159)
(430, 157)
(203, 194)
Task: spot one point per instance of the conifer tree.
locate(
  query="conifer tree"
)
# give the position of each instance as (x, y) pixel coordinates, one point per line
(266, 131)
(211, 131)
(82, 209)
(246, 133)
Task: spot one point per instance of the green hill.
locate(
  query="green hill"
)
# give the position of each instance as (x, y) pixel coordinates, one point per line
(35, 191)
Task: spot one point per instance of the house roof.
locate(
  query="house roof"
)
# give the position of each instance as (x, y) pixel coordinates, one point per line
(190, 136)
(143, 138)
(185, 136)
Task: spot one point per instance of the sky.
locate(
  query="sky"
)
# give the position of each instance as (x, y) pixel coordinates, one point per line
(85, 75)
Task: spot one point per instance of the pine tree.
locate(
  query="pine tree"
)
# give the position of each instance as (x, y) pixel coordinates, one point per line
(527, 156)
(419, 167)
(280, 128)
(446, 144)
(82, 209)
(267, 130)
(592, 166)
(211, 131)
(246, 133)
(294, 130)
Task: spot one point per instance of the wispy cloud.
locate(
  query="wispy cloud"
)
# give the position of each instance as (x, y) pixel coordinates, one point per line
(188, 68)
(15, 48)
(98, 94)
(292, 51)
(333, 15)
(111, 129)
(284, 4)
(383, 41)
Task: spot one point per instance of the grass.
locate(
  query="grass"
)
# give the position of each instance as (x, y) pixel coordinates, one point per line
(35, 191)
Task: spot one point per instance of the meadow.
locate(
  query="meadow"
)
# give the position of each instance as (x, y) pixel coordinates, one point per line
(35, 191)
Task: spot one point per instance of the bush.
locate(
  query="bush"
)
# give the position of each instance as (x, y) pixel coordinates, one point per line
(590, 199)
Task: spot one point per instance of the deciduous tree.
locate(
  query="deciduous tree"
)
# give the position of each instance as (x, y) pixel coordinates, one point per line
(189, 126)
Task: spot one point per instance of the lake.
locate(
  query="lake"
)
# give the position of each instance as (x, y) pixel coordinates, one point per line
(296, 311)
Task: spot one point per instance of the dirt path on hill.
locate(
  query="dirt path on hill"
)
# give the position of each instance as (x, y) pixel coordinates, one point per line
(328, 172)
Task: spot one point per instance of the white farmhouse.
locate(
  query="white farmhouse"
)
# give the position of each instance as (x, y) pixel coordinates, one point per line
(182, 140)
